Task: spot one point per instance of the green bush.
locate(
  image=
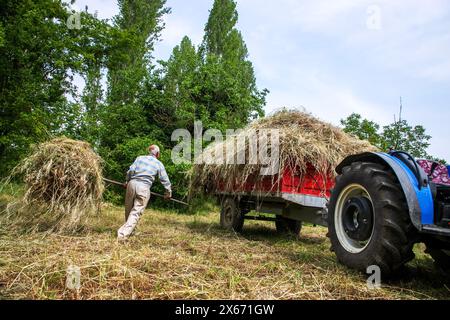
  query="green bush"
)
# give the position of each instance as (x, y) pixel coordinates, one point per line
(118, 161)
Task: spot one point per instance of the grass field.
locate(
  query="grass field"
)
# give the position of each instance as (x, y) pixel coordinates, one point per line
(175, 256)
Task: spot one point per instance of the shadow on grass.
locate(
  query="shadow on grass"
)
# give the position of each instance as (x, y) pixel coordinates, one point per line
(103, 229)
(423, 273)
(255, 232)
(298, 250)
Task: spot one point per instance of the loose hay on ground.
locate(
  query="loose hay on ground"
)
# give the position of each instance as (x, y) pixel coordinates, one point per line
(63, 184)
(190, 257)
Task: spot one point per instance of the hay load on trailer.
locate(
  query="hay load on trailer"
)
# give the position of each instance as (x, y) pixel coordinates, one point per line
(308, 152)
(63, 184)
(304, 142)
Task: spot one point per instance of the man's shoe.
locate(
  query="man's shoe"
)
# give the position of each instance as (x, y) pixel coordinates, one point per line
(122, 239)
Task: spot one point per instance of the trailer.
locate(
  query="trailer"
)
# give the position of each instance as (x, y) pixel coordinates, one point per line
(376, 209)
(288, 200)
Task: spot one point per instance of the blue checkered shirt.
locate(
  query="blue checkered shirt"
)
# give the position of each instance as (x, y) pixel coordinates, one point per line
(146, 168)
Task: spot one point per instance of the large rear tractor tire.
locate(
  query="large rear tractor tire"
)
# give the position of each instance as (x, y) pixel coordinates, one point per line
(368, 219)
(288, 226)
(231, 217)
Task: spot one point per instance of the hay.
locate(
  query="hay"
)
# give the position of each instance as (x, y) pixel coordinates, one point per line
(181, 256)
(63, 184)
(304, 141)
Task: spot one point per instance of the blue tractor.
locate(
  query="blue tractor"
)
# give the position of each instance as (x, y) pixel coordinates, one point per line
(383, 204)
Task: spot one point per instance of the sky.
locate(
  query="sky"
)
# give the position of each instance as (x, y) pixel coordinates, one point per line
(336, 57)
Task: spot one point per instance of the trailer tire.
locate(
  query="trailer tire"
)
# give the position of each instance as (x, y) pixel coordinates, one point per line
(231, 217)
(288, 226)
(368, 219)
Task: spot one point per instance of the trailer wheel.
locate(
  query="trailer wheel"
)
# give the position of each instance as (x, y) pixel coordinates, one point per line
(288, 226)
(368, 219)
(231, 217)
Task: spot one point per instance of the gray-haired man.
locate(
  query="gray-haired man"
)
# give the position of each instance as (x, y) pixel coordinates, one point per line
(140, 178)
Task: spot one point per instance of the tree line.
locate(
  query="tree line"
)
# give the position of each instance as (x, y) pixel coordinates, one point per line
(398, 135)
(129, 100)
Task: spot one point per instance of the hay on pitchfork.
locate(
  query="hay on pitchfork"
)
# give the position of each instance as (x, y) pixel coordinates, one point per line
(304, 141)
(63, 185)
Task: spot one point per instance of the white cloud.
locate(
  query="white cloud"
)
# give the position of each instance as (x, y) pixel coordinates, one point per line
(105, 9)
(327, 100)
(408, 42)
(176, 28)
(438, 72)
(184, 20)
(322, 93)
(320, 15)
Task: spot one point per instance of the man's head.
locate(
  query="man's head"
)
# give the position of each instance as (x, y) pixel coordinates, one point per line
(153, 150)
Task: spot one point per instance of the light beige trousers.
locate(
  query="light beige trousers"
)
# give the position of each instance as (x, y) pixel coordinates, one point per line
(136, 200)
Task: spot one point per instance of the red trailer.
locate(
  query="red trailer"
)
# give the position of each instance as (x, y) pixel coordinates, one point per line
(288, 201)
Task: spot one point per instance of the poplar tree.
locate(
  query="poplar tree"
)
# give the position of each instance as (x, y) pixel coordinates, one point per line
(229, 91)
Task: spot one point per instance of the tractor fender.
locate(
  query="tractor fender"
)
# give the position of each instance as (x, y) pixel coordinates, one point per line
(417, 201)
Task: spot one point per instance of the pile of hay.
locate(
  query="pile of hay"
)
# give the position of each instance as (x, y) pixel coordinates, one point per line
(63, 184)
(303, 141)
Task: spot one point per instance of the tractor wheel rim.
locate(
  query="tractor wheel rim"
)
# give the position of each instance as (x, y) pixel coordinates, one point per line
(351, 213)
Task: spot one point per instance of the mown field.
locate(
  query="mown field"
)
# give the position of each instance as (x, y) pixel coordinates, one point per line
(176, 256)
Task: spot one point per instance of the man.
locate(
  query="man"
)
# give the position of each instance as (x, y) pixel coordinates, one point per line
(140, 178)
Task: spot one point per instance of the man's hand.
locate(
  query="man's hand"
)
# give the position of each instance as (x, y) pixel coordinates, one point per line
(125, 185)
(167, 195)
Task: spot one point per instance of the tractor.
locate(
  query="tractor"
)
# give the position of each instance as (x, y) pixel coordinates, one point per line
(376, 209)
